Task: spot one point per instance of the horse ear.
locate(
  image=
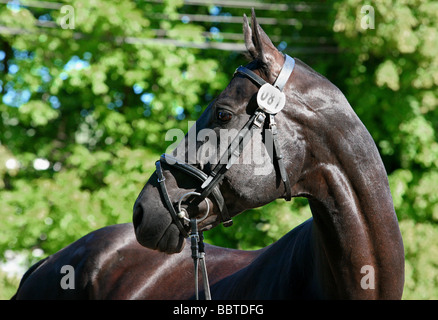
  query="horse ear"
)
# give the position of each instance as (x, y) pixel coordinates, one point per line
(257, 42)
(247, 34)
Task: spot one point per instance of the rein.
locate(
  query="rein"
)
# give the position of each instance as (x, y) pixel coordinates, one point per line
(271, 100)
(198, 255)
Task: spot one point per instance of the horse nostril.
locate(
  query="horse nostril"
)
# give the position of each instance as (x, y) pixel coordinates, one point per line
(138, 215)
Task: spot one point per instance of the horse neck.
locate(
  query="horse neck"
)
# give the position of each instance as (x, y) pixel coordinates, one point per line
(355, 231)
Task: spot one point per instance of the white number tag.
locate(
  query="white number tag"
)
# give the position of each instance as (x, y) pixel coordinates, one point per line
(270, 99)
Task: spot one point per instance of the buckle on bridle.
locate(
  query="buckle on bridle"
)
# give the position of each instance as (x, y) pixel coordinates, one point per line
(259, 119)
(227, 223)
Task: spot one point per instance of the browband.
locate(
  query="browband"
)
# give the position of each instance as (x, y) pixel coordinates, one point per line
(286, 71)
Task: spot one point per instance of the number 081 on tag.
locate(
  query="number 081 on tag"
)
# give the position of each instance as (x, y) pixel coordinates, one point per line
(270, 99)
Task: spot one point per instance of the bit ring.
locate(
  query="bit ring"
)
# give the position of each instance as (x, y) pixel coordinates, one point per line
(183, 214)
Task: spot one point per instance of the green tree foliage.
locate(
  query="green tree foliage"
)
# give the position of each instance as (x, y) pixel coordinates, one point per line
(84, 111)
(392, 85)
(82, 100)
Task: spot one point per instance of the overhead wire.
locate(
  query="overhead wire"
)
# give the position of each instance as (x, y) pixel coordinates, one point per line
(210, 37)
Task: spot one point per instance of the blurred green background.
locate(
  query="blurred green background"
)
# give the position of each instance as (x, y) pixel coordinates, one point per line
(87, 93)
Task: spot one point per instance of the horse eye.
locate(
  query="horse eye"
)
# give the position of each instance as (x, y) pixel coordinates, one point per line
(224, 116)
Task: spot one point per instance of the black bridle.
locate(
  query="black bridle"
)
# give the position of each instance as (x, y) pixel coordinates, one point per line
(270, 100)
(209, 183)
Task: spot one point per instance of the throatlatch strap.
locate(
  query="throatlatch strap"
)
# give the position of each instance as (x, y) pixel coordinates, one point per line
(281, 167)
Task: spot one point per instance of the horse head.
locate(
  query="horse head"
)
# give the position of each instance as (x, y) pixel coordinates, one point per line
(251, 181)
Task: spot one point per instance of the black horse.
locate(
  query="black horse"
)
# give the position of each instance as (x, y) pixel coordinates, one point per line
(351, 248)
